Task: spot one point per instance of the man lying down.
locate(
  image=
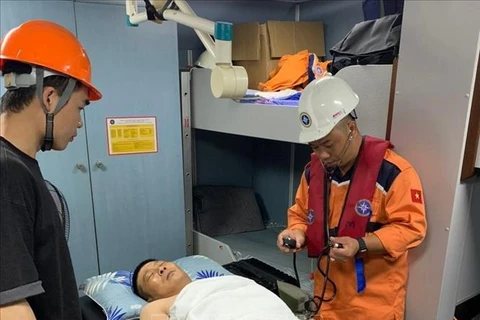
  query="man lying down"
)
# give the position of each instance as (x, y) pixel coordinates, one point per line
(172, 295)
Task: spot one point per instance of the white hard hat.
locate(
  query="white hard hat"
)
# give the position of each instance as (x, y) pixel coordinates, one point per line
(205, 60)
(323, 103)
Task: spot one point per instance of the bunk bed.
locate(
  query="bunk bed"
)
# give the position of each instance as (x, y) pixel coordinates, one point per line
(278, 122)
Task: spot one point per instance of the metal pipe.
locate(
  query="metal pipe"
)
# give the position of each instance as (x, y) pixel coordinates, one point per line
(204, 37)
(188, 20)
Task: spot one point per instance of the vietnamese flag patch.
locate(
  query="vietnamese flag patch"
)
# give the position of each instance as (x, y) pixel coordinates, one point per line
(416, 196)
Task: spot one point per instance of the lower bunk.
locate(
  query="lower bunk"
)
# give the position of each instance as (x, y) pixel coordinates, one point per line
(229, 228)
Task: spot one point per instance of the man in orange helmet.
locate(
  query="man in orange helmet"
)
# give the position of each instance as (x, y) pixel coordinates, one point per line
(45, 70)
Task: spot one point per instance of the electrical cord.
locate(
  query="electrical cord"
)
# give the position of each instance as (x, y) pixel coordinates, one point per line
(317, 301)
(295, 268)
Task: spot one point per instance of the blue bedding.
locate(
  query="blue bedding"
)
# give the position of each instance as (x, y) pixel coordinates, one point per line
(284, 98)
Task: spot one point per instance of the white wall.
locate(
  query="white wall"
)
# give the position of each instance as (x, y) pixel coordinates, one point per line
(437, 62)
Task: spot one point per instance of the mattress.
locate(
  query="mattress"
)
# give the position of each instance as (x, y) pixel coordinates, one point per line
(262, 245)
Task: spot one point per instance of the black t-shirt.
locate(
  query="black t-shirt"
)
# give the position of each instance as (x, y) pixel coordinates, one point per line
(35, 262)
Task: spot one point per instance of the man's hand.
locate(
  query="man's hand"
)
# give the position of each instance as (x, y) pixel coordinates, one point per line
(349, 250)
(295, 234)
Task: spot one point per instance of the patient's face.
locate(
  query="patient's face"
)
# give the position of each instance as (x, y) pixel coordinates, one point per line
(161, 279)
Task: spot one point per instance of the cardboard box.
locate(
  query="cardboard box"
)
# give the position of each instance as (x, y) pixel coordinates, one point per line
(258, 47)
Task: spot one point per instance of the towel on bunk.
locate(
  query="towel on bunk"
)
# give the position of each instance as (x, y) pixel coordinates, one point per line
(286, 97)
(228, 298)
(278, 95)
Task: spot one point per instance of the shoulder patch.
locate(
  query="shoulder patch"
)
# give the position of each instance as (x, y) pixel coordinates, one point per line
(387, 174)
(397, 160)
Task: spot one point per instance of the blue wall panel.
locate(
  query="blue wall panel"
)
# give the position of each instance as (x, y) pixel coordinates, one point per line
(235, 12)
(138, 199)
(271, 178)
(338, 16)
(233, 160)
(231, 11)
(302, 157)
(223, 159)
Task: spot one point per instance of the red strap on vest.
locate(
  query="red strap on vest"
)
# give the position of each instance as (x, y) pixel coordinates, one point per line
(358, 209)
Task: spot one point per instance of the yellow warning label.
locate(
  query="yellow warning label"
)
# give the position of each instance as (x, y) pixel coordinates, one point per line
(132, 135)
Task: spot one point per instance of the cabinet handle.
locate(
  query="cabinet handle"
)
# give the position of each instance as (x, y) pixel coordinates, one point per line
(80, 166)
(99, 164)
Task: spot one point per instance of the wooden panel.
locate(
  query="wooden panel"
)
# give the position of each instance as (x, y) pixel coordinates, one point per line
(391, 103)
(473, 133)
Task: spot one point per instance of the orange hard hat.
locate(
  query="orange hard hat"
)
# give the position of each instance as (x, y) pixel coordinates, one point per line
(51, 46)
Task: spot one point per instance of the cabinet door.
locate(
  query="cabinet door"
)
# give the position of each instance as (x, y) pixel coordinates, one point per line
(61, 167)
(138, 199)
(68, 171)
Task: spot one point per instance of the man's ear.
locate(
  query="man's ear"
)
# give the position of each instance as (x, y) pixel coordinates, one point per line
(49, 98)
(352, 126)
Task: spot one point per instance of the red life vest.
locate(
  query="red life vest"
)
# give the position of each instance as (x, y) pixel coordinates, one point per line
(357, 209)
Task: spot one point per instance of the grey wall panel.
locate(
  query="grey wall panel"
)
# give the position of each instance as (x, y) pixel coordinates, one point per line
(429, 129)
(372, 84)
(469, 265)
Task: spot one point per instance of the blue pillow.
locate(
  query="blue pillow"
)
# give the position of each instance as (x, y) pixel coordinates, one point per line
(113, 291)
(200, 267)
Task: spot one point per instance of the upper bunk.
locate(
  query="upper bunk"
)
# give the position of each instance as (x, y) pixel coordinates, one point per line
(280, 121)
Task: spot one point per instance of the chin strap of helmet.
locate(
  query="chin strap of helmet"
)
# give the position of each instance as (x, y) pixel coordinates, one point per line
(48, 139)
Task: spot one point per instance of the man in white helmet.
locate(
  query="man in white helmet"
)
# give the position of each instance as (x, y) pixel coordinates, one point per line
(375, 209)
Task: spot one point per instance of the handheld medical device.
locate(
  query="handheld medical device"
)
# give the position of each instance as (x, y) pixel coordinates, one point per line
(289, 242)
(227, 80)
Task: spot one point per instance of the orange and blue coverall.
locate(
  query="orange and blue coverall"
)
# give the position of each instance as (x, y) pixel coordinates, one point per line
(398, 206)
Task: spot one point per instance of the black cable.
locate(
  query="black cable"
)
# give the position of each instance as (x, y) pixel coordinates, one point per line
(317, 301)
(295, 268)
(152, 12)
